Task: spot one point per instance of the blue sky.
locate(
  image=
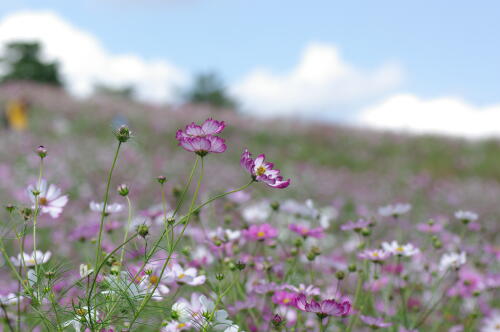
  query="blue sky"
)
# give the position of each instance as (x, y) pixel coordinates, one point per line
(444, 48)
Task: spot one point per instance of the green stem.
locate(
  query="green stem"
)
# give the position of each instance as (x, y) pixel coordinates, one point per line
(35, 218)
(103, 213)
(127, 228)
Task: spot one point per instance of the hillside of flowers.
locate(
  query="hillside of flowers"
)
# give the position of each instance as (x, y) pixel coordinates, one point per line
(121, 216)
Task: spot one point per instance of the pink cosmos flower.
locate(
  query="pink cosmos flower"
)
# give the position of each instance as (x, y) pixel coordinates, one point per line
(262, 171)
(355, 225)
(284, 298)
(202, 139)
(305, 231)
(374, 322)
(261, 232)
(324, 308)
(375, 255)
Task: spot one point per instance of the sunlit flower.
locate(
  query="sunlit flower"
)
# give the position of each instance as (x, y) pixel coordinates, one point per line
(33, 259)
(202, 139)
(394, 210)
(452, 260)
(261, 232)
(49, 198)
(85, 270)
(492, 323)
(397, 249)
(263, 171)
(81, 317)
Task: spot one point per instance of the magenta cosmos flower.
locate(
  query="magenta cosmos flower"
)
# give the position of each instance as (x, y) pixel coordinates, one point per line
(202, 139)
(260, 170)
(306, 231)
(261, 232)
(324, 308)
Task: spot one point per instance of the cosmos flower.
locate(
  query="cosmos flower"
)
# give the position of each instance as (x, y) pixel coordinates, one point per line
(263, 171)
(10, 299)
(309, 290)
(491, 323)
(188, 276)
(324, 308)
(305, 231)
(49, 199)
(36, 257)
(81, 317)
(394, 210)
(202, 139)
(466, 216)
(355, 225)
(374, 255)
(374, 322)
(452, 260)
(261, 232)
(284, 298)
(110, 208)
(397, 249)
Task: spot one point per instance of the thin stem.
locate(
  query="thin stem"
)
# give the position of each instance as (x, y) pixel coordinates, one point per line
(35, 218)
(127, 228)
(103, 213)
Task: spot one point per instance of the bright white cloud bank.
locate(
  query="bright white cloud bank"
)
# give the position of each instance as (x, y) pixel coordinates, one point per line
(321, 82)
(447, 115)
(84, 61)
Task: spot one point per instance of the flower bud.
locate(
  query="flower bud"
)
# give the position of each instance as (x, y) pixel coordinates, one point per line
(177, 192)
(240, 265)
(352, 268)
(123, 190)
(161, 179)
(123, 134)
(143, 230)
(41, 151)
(277, 321)
(275, 206)
(170, 221)
(340, 275)
(366, 232)
(219, 276)
(10, 208)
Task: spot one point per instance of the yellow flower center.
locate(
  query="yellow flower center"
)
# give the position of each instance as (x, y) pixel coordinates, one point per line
(181, 325)
(285, 301)
(153, 280)
(260, 170)
(261, 234)
(182, 275)
(43, 201)
(399, 249)
(375, 254)
(80, 312)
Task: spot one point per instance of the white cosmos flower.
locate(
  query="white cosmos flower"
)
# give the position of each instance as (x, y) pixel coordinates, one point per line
(110, 208)
(36, 257)
(174, 326)
(452, 260)
(400, 250)
(85, 271)
(492, 323)
(49, 198)
(82, 316)
(466, 215)
(394, 210)
(188, 276)
(256, 213)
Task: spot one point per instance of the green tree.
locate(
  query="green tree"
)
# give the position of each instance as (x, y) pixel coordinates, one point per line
(209, 89)
(22, 62)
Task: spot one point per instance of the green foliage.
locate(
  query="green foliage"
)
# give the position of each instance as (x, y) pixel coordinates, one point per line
(127, 92)
(209, 89)
(23, 62)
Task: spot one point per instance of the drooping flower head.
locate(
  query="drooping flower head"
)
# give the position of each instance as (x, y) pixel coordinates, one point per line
(202, 139)
(324, 308)
(50, 199)
(260, 170)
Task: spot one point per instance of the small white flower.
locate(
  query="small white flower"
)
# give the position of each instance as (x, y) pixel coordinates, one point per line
(400, 250)
(452, 260)
(181, 312)
(82, 316)
(256, 213)
(466, 215)
(176, 327)
(394, 210)
(110, 208)
(49, 199)
(37, 257)
(85, 271)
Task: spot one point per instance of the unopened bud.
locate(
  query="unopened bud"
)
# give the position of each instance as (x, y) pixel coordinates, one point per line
(10, 208)
(161, 179)
(123, 190)
(143, 230)
(340, 275)
(219, 276)
(123, 134)
(41, 151)
(275, 206)
(240, 265)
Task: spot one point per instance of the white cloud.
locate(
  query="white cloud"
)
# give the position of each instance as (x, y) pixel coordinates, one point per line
(84, 61)
(445, 115)
(320, 83)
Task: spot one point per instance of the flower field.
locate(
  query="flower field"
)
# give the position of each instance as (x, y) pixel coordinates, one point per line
(120, 216)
